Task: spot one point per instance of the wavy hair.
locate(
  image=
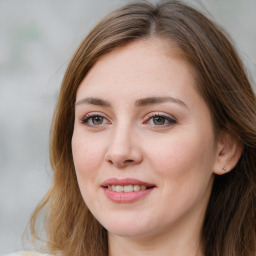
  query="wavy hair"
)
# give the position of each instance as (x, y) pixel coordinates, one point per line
(229, 228)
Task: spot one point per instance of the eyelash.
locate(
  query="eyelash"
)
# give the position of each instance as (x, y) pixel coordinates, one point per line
(166, 118)
(89, 117)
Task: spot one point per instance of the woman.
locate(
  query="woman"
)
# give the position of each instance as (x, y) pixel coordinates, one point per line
(153, 141)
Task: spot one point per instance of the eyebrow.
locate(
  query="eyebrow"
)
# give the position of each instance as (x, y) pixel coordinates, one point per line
(94, 101)
(138, 103)
(156, 100)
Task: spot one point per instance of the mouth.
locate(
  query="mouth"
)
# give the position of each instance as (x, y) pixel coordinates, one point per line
(126, 190)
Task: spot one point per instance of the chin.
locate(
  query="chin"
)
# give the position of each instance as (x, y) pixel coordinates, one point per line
(128, 228)
(129, 232)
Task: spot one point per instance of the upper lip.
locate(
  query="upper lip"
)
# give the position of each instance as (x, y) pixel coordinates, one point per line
(127, 181)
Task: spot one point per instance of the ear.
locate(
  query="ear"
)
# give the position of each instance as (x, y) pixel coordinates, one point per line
(229, 151)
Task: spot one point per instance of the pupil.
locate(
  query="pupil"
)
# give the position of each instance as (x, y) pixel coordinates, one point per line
(97, 120)
(159, 120)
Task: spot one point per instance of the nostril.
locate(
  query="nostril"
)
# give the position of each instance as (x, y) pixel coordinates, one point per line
(121, 164)
(128, 161)
(110, 161)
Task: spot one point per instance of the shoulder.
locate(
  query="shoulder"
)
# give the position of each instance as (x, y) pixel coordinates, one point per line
(27, 254)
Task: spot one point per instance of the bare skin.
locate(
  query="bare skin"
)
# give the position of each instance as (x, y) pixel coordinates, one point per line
(139, 116)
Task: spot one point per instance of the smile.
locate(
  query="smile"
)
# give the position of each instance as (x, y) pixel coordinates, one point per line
(126, 190)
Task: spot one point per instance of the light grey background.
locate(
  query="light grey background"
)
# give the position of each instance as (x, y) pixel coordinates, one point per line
(37, 40)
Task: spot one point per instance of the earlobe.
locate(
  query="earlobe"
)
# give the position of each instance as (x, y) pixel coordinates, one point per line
(229, 151)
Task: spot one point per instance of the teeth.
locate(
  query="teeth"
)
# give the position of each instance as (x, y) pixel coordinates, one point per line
(119, 188)
(126, 188)
(136, 188)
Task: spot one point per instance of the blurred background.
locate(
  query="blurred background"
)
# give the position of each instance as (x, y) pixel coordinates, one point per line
(37, 40)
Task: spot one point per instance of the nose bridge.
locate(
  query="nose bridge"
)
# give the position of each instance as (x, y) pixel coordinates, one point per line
(123, 147)
(122, 134)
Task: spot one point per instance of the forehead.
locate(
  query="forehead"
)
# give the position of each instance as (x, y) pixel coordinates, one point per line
(141, 65)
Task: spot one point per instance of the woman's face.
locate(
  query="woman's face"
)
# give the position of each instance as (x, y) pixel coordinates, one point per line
(142, 127)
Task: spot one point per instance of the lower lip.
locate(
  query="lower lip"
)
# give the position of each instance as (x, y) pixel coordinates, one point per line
(126, 197)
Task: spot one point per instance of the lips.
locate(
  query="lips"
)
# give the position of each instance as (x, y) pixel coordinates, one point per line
(126, 190)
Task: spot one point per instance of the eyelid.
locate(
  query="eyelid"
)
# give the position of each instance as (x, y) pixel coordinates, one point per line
(168, 117)
(85, 118)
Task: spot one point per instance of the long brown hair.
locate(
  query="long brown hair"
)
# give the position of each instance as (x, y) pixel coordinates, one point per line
(229, 227)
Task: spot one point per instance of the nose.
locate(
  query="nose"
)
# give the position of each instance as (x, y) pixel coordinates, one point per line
(123, 149)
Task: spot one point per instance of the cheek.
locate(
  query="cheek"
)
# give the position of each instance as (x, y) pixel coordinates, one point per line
(88, 153)
(183, 158)
(87, 156)
(183, 165)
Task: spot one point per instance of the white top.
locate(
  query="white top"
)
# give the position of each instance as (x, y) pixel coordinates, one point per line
(27, 254)
(14, 254)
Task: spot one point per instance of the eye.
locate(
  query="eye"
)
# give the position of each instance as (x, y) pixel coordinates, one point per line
(161, 120)
(97, 120)
(94, 120)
